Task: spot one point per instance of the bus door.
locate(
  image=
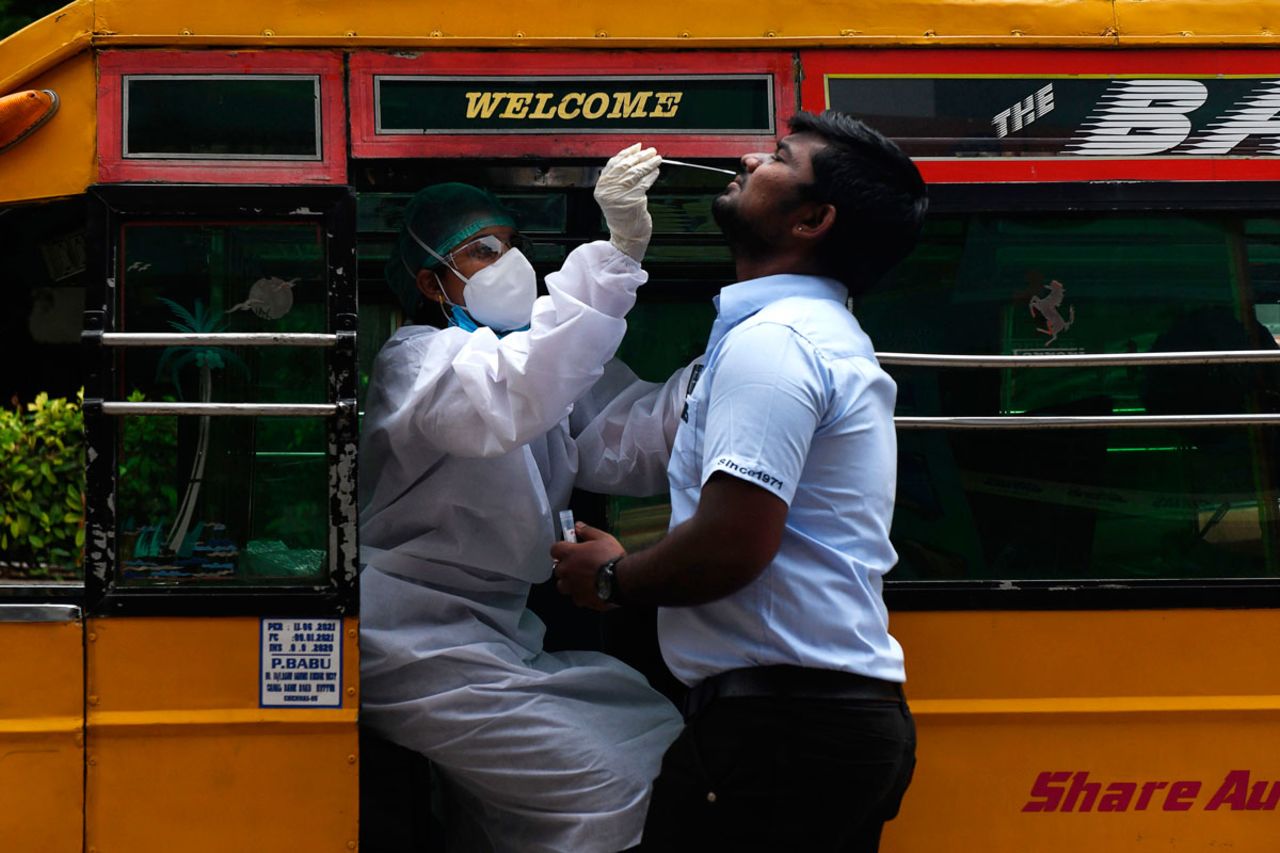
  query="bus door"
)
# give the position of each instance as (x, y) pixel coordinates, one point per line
(220, 645)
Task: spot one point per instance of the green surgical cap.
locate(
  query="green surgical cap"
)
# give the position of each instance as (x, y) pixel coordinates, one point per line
(442, 216)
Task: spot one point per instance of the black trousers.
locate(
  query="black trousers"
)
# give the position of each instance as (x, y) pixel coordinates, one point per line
(783, 774)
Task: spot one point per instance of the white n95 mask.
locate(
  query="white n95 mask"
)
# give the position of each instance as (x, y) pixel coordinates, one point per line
(501, 295)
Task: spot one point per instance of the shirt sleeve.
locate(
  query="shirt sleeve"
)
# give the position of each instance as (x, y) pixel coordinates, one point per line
(624, 428)
(768, 395)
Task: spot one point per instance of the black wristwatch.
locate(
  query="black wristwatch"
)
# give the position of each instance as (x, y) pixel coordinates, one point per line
(607, 582)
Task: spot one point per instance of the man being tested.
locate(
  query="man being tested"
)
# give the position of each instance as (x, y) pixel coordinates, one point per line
(782, 478)
(473, 437)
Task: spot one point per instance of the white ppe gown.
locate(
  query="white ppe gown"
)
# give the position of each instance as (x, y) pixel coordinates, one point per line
(470, 446)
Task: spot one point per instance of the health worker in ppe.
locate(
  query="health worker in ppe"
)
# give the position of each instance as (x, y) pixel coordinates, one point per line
(473, 437)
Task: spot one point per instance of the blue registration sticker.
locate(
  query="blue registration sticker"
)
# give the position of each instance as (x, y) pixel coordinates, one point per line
(300, 665)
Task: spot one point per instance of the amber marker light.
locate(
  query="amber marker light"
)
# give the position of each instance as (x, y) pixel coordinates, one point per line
(22, 113)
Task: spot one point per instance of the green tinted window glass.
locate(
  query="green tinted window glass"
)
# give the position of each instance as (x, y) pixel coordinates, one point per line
(216, 500)
(535, 213)
(682, 214)
(222, 499)
(241, 278)
(1101, 503)
(540, 213)
(222, 117)
(214, 374)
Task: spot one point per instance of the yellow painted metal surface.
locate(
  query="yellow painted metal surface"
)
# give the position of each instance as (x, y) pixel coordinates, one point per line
(59, 158)
(1177, 23)
(44, 44)
(181, 757)
(1184, 704)
(666, 23)
(41, 737)
(764, 23)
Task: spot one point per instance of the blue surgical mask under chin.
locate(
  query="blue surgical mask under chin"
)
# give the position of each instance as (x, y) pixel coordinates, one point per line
(459, 317)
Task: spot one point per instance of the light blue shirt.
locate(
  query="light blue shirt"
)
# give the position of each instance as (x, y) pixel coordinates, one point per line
(793, 400)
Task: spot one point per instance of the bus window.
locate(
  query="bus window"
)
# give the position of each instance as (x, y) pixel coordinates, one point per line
(219, 434)
(43, 246)
(210, 499)
(1169, 503)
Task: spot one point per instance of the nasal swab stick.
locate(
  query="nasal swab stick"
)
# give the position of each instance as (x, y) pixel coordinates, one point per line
(698, 166)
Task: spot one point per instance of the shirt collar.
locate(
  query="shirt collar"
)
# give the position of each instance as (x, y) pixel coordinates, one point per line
(737, 302)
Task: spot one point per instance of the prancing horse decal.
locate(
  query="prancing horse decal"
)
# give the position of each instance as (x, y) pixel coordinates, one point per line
(1047, 307)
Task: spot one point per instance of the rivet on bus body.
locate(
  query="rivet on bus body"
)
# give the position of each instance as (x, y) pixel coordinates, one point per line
(435, 34)
(684, 35)
(351, 759)
(1017, 33)
(92, 761)
(268, 32)
(351, 691)
(186, 32)
(351, 632)
(351, 845)
(930, 34)
(93, 700)
(770, 34)
(850, 32)
(601, 34)
(519, 34)
(350, 34)
(92, 637)
(1186, 33)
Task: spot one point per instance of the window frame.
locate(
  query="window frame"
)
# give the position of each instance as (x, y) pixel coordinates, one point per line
(1090, 594)
(332, 209)
(324, 67)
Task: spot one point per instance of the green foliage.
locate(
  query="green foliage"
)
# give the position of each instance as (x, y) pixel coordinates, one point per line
(16, 14)
(145, 491)
(42, 485)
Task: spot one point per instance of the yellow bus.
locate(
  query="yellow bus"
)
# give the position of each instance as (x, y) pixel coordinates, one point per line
(196, 202)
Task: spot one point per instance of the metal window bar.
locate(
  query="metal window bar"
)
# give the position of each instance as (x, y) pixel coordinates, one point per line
(225, 339)
(1084, 421)
(1120, 359)
(1024, 422)
(305, 410)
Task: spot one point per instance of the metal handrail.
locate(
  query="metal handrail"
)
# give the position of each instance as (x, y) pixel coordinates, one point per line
(223, 339)
(1084, 421)
(310, 410)
(1120, 359)
(23, 612)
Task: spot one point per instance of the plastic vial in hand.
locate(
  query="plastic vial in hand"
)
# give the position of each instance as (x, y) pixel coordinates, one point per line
(566, 526)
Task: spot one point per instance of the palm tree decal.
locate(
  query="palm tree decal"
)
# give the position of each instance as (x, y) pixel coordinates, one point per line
(207, 359)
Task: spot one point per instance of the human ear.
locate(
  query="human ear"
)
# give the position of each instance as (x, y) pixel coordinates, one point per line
(428, 284)
(815, 221)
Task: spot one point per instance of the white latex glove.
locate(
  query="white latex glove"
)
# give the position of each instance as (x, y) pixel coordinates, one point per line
(620, 192)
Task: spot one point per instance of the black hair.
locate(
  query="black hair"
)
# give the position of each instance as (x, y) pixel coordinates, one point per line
(879, 197)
